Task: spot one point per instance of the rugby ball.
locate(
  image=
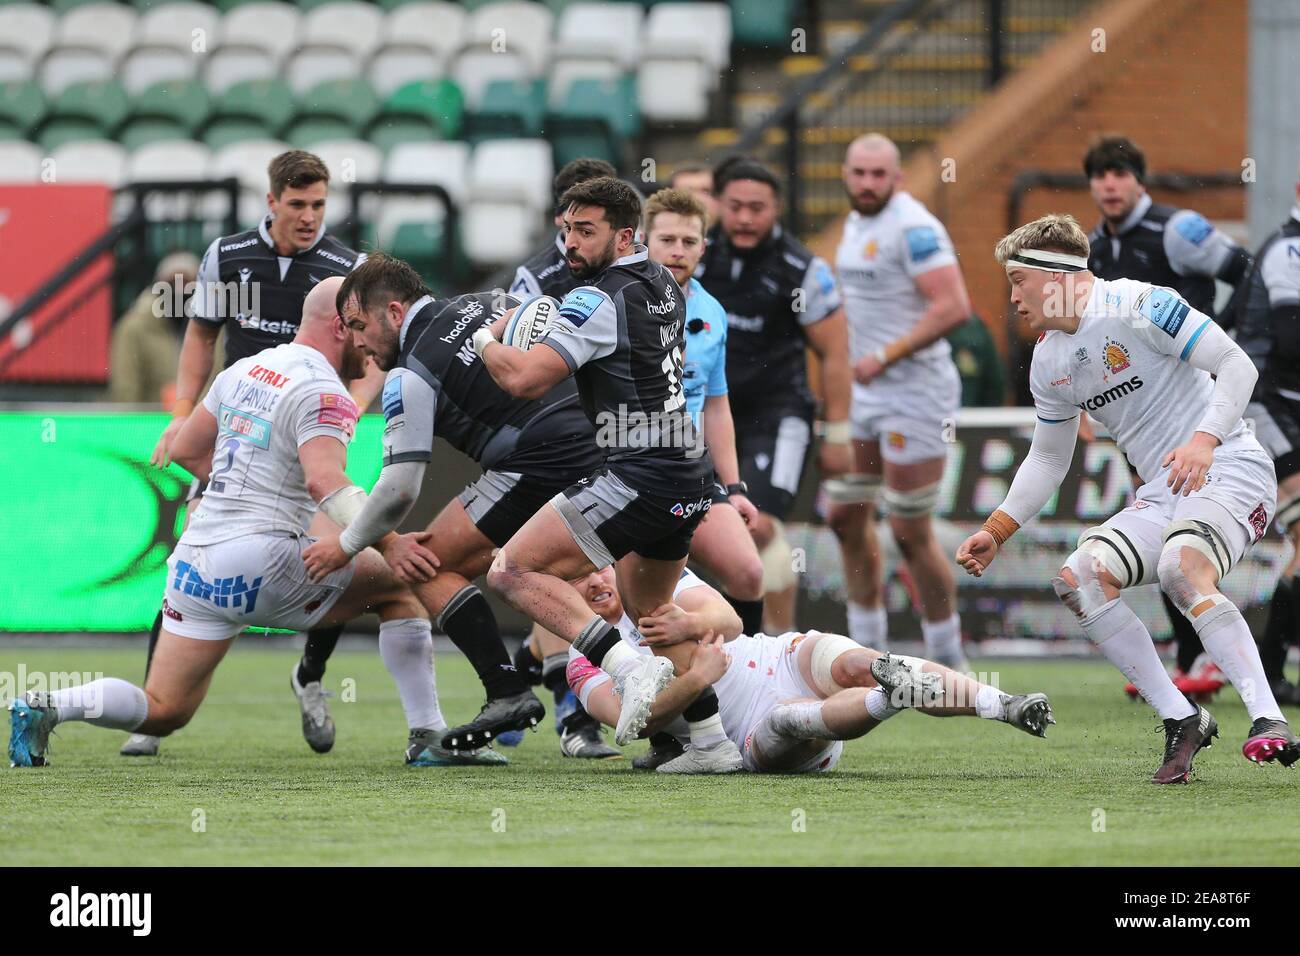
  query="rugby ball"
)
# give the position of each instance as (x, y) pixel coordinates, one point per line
(529, 321)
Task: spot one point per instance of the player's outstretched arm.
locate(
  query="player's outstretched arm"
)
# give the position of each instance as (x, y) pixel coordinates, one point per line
(193, 444)
(719, 430)
(191, 374)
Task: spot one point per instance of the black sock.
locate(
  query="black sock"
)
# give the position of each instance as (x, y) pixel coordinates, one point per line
(555, 676)
(661, 740)
(596, 640)
(1187, 642)
(751, 614)
(153, 643)
(703, 707)
(1277, 631)
(469, 622)
(528, 666)
(320, 645)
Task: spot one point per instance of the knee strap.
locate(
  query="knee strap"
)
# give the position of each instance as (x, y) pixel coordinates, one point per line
(1200, 536)
(777, 558)
(1288, 512)
(1085, 598)
(824, 653)
(911, 504)
(1117, 554)
(856, 489)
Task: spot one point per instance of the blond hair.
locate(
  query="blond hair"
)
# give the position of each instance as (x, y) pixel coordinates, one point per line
(1051, 233)
(682, 202)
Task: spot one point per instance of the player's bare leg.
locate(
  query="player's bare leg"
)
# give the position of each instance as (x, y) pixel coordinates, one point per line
(1283, 626)
(852, 517)
(722, 546)
(779, 590)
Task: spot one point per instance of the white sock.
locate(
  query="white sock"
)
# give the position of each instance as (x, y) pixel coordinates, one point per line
(868, 626)
(991, 703)
(406, 645)
(942, 639)
(707, 732)
(619, 660)
(878, 705)
(107, 702)
(1227, 638)
(1126, 643)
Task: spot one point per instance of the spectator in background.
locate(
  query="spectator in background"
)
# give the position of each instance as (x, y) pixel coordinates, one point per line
(146, 342)
(697, 179)
(983, 384)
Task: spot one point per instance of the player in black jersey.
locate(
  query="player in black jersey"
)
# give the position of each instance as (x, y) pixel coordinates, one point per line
(253, 284)
(621, 337)
(547, 273)
(1268, 329)
(781, 300)
(1178, 248)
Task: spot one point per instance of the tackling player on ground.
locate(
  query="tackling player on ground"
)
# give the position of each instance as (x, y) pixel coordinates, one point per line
(1139, 359)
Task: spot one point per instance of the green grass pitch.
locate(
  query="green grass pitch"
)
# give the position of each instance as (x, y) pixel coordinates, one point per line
(239, 786)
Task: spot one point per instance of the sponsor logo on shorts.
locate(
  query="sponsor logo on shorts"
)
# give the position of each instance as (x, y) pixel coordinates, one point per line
(171, 612)
(897, 440)
(1259, 520)
(223, 592)
(685, 511)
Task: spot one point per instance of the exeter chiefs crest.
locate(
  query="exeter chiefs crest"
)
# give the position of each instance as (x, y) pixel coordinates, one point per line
(1115, 356)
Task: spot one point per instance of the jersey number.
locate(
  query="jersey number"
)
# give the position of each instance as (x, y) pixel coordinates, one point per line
(672, 363)
(229, 448)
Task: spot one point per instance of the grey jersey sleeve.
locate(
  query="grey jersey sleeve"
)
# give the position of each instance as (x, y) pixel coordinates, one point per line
(820, 293)
(1279, 271)
(525, 283)
(1194, 246)
(410, 406)
(206, 304)
(585, 328)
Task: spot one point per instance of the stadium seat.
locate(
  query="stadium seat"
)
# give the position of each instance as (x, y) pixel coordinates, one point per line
(227, 6)
(185, 103)
(225, 132)
(388, 132)
(351, 101)
(398, 64)
(499, 233)
(109, 27)
(510, 109)
(512, 170)
(521, 28)
(93, 161)
(350, 161)
(439, 103)
(476, 67)
(674, 91)
(20, 162)
(146, 66)
(160, 162)
(231, 65)
(349, 24)
(593, 119)
(62, 68)
(305, 134)
(595, 31)
(55, 132)
(175, 24)
(247, 162)
(63, 6)
(446, 164)
(679, 29)
(564, 73)
(15, 65)
(27, 27)
(101, 102)
(22, 106)
(142, 132)
(272, 26)
(267, 102)
(316, 64)
(762, 22)
(437, 25)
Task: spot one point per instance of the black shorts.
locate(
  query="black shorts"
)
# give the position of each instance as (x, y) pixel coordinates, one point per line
(197, 487)
(501, 502)
(772, 451)
(618, 512)
(1277, 426)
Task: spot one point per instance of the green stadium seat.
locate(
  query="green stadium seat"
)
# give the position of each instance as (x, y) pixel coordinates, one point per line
(510, 109)
(145, 130)
(266, 102)
(225, 6)
(440, 102)
(762, 22)
(306, 6)
(63, 6)
(593, 119)
(389, 131)
(101, 102)
(307, 133)
(424, 245)
(56, 132)
(9, 132)
(351, 101)
(22, 105)
(394, 4)
(183, 102)
(223, 132)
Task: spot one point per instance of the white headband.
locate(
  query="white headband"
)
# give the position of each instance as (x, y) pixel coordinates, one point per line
(1048, 261)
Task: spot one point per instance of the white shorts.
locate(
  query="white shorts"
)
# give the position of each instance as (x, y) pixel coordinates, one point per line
(1239, 499)
(908, 420)
(214, 591)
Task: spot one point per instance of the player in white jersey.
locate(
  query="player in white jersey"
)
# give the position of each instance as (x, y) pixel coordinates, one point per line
(1138, 358)
(787, 702)
(903, 292)
(270, 439)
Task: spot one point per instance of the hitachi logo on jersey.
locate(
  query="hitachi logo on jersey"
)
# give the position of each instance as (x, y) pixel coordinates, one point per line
(261, 373)
(239, 245)
(1111, 394)
(333, 258)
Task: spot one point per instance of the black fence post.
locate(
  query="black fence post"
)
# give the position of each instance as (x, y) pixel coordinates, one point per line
(994, 27)
(794, 215)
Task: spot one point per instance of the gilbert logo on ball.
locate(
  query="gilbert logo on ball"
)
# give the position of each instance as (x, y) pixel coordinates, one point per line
(529, 321)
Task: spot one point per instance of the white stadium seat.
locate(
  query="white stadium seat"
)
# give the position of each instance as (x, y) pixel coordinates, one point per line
(565, 71)
(246, 161)
(349, 161)
(399, 64)
(63, 67)
(676, 29)
(146, 65)
(109, 27)
(175, 159)
(444, 163)
(671, 90)
(19, 162)
(182, 25)
(397, 210)
(273, 26)
(15, 65)
(475, 68)
(523, 28)
(512, 170)
(499, 233)
(90, 161)
(600, 30)
(316, 64)
(27, 27)
(349, 24)
(234, 64)
(439, 26)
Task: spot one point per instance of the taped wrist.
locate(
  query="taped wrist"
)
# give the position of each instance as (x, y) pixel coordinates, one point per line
(1001, 525)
